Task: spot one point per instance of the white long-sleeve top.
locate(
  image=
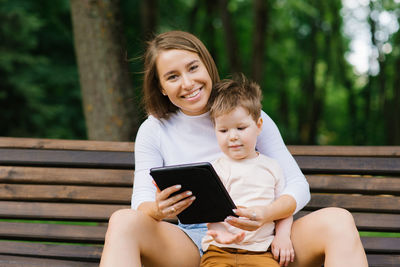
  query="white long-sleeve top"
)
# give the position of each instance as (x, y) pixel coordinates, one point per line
(185, 139)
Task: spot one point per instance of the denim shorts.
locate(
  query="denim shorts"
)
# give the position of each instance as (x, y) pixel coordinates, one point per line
(196, 232)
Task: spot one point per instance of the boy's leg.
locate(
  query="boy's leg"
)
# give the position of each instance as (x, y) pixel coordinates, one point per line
(264, 259)
(216, 256)
(134, 238)
(327, 236)
(230, 257)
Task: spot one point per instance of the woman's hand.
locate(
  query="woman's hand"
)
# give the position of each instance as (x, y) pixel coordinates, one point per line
(169, 207)
(249, 219)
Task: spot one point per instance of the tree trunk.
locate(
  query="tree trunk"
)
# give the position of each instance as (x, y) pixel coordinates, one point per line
(259, 35)
(208, 30)
(369, 88)
(284, 109)
(392, 118)
(192, 16)
(395, 140)
(352, 122)
(149, 18)
(107, 91)
(309, 102)
(230, 38)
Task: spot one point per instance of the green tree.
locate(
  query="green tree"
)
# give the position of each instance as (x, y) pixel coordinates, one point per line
(295, 49)
(39, 91)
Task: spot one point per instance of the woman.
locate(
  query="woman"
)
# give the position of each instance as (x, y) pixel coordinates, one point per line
(179, 74)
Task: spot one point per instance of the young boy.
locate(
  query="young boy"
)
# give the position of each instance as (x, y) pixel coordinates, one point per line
(252, 179)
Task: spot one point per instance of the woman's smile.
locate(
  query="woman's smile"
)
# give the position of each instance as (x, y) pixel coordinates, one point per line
(192, 94)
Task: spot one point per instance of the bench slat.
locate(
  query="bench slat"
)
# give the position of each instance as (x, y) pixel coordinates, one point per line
(77, 176)
(379, 260)
(41, 143)
(57, 211)
(363, 151)
(67, 158)
(348, 165)
(374, 260)
(349, 184)
(53, 232)
(61, 251)
(118, 195)
(384, 204)
(381, 244)
(15, 261)
(79, 233)
(371, 245)
(371, 221)
(66, 193)
(98, 212)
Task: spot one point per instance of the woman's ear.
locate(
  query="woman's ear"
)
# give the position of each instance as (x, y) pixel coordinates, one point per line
(163, 92)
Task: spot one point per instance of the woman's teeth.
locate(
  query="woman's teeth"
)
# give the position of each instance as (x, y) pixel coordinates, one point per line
(193, 94)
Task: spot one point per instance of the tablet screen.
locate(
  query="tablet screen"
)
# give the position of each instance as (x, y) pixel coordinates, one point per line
(212, 203)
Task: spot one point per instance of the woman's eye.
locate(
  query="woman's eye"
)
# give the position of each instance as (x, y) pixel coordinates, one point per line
(241, 128)
(222, 131)
(172, 77)
(193, 67)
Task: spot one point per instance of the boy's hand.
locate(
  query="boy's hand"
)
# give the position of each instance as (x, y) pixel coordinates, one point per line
(282, 249)
(221, 234)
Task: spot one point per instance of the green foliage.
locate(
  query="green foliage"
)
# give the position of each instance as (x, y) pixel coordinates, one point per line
(307, 81)
(39, 90)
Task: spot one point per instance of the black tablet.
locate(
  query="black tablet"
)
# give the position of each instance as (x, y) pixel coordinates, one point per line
(212, 204)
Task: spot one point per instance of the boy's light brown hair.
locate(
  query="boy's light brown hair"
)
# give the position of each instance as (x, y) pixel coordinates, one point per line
(229, 94)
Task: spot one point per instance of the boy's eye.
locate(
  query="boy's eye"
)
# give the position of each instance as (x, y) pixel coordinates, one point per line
(241, 128)
(222, 131)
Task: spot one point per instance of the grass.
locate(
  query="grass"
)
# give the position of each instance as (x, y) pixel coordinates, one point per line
(378, 234)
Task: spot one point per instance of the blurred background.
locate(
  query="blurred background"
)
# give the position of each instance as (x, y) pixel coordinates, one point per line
(72, 69)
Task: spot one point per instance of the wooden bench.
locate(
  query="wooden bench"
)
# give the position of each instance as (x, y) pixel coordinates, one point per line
(56, 196)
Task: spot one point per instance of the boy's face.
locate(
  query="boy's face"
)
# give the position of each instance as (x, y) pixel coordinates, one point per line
(237, 133)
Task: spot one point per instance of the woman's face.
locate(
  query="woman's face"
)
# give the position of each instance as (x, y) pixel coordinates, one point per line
(185, 80)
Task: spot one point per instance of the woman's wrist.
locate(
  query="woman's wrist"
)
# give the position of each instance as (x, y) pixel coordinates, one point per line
(282, 207)
(150, 208)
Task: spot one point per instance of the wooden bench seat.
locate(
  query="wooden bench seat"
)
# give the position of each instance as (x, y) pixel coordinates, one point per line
(56, 196)
(365, 181)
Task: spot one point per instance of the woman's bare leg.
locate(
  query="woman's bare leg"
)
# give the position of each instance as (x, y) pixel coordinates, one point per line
(134, 238)
(327, 236)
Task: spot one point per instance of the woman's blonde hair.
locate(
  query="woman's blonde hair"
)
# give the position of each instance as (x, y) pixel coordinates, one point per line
(155, 102)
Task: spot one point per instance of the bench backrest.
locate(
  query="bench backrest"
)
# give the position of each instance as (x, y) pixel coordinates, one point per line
(59, 194)
(365, 181)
